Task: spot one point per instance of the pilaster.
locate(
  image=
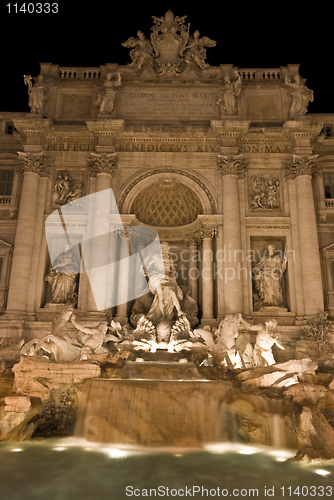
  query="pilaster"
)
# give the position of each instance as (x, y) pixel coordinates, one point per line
(193, 272)
(301, 169)
(231, 168)
(33, 166)
(207, 235)
(102, 165)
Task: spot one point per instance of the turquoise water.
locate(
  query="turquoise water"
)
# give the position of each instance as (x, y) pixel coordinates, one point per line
(72, 469)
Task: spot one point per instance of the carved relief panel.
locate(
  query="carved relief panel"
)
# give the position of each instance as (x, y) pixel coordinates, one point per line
(265, 191)
(67, 187)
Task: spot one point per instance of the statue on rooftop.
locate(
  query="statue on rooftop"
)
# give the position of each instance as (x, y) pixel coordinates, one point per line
(301, 96)
(106, 98)
(228, 94)
(36, 94)
(141, 52)
(195, 50)
(170, 49)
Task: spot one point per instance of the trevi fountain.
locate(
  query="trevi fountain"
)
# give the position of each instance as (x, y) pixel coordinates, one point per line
(167, 281)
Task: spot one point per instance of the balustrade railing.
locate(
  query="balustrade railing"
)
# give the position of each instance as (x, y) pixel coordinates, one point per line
(248, 74)
(329, 202)
(79, 73)
(5, 200)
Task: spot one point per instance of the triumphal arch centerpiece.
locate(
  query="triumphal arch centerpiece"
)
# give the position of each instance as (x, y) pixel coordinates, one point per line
(224, 163)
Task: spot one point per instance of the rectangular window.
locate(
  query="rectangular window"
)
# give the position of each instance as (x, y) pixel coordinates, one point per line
(327, 131)
(329, 184)
(6, 182)
(9, 128)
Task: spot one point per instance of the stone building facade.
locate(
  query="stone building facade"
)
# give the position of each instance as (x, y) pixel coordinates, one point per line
(222, 161)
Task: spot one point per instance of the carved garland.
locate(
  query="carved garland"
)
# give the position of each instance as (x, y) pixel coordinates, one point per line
(163, 170)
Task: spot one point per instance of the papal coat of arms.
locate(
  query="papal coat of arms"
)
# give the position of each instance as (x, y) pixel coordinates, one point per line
(171, 49)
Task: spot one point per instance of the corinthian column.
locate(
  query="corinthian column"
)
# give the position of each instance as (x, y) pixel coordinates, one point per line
(301, 168)
(193, 272)
(102, 165)
(122, 291)
(207, 275)
(231, 168)
(33, 166)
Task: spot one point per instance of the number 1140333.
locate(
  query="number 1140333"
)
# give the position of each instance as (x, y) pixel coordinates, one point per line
(32, 8)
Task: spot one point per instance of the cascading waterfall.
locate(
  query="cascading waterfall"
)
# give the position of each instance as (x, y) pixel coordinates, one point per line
(181, 413)
(153, 412)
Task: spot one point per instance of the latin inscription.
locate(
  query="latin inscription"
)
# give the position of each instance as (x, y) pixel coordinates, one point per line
(167, 148)
(266, 148)
(173, 104)
(70, 146)
(170, 147)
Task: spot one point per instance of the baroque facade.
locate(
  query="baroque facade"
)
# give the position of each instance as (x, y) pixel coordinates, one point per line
(224, 162)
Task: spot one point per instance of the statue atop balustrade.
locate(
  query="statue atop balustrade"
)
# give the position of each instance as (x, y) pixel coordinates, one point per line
(301, 96)
(36, 93)
(171, 49)
(106, 98)
(228, 94)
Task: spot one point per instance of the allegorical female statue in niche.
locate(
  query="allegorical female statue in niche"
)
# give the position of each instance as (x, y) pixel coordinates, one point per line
(63, 278)
(268, 274)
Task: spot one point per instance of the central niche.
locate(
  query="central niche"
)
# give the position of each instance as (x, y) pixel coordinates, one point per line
(167, 203)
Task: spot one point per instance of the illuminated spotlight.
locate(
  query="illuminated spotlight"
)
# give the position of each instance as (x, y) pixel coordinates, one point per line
(59, 448)
(218, 448)
(322, 472)
(247, 450)
(280, 456)
(178, 455)
(16, 449)
(116, 453)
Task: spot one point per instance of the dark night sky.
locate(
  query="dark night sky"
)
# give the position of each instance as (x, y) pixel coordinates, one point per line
(90, 33)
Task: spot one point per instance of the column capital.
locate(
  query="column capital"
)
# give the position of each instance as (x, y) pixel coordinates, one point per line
(208, 232)
(232, 165)
(35, 163)
(193, 241)
(102, 163)
(301, 165)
